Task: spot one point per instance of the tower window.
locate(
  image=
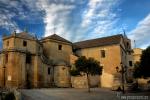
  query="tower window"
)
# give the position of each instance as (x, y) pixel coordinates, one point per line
(6, 58)
(28, 58)
(128, 45)
(59, 47)
(7, 43)
(130, 63)
(24, 43)
(49, 71)
(103, 53)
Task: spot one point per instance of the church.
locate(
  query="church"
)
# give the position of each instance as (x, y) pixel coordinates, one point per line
(27, 62)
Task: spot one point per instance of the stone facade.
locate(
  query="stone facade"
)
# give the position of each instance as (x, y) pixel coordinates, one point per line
(26, 62)
(137, 52)
(110, 55)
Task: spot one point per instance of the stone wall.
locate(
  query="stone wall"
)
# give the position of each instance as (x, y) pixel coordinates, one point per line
(107, 80)
(111, 60)
(52, 51)
(62, 76)
(137, 52)
(81, 81)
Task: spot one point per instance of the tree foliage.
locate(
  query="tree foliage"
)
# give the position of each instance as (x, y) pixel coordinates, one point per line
(143, 68)
(89, 66)
(137, 73)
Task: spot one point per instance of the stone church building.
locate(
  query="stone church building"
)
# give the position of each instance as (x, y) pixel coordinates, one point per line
(26, 62)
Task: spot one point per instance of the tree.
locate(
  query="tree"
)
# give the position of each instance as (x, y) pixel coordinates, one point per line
(142, 69)
(88, 66)
(145, 63)
(136, 72)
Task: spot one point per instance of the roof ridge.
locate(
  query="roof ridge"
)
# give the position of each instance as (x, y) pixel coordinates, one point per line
(115, 39)
(57, 37)
(100, 38)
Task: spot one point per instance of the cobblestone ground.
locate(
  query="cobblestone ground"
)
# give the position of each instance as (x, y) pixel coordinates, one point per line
(79, 94)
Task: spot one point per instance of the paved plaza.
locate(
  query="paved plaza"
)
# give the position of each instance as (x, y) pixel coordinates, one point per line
(79, 94)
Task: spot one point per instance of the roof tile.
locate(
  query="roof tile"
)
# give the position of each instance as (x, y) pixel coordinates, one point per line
(98, 42)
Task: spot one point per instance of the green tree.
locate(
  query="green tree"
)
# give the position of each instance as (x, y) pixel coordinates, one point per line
(137, 73)
(88, 66)
(142, 68)
(145, 63)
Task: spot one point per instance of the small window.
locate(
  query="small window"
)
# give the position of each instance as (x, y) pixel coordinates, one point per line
(28, 59)
(103, 53)
(59, 47)
(129, 53)
(130, 63)
(49, 71)
(6, 58)
(127, 45)
(7, 43)
(24, 43)
(63, 68)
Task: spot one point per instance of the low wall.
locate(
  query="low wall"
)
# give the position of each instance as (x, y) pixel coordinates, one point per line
(143, 83)
(81, 81)
(107, 80)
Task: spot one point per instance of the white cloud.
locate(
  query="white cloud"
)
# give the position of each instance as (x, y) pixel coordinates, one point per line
(7, 23)
(56, 15)
(98, 9)
(99, 18)
(25, 10)
(141, 33)
(89, 13)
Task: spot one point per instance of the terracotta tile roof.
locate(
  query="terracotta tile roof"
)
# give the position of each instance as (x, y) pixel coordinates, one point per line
(98, 42)
(56, 37)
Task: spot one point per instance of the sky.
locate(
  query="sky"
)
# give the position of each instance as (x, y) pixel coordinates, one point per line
(77, 20)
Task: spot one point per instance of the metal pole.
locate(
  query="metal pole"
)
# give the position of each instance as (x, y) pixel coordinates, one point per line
(4, 76)
(122, 78)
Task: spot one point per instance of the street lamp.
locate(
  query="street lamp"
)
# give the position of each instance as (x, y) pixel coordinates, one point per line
(4, 75)
(122, 71)
(122, 74)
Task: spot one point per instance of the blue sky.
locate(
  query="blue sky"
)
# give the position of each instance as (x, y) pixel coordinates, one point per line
(78, 20)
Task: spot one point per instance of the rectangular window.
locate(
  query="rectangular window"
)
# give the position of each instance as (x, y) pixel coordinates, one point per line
(130, 63)
(6, 58)
(28, 59)
(7, 43)
(103, 53)
(59, 47)
(24, 43)
(49, 71)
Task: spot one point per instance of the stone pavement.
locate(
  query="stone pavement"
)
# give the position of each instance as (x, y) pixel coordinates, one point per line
(76, 94)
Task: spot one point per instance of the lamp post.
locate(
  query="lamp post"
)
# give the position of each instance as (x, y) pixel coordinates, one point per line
(122, 71)
(122, 74)
(4, 75)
